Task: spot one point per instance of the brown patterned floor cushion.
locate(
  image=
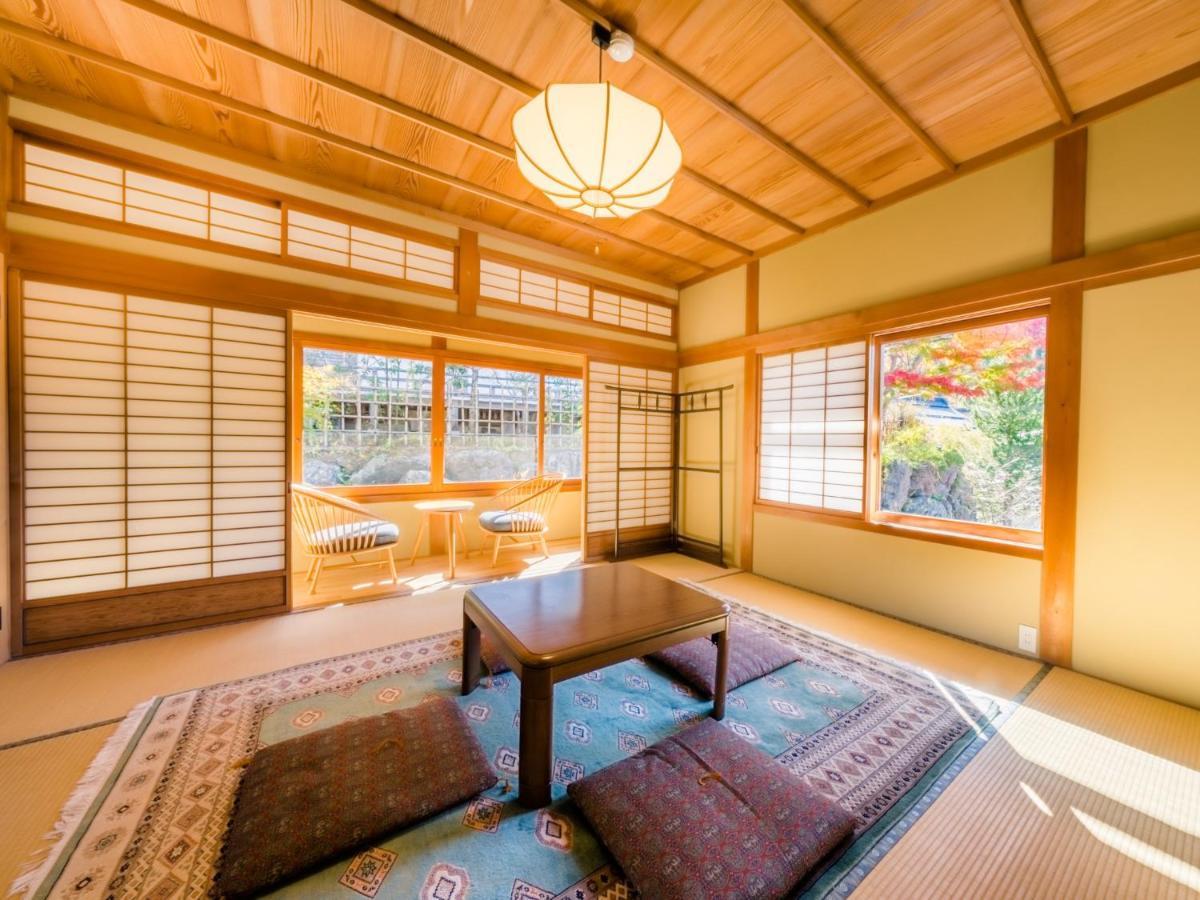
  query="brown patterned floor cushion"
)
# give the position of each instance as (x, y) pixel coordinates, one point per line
(752, 654)
(705, 814)
(305, 802)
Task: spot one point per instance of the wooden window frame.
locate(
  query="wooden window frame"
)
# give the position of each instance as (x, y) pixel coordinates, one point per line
(592, 284)
(191, 178)
(437, 487)
(999, 539)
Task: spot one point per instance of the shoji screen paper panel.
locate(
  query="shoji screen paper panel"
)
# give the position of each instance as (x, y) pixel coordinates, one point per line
(812, 444)
(153, 445)
(645, 441)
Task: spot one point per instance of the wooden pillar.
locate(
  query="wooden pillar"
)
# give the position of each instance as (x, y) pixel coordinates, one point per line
(749, 440)
(468, 271)
(1064, 351)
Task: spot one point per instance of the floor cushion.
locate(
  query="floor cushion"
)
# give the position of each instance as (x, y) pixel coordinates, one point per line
(504, 521)
(706, 814)
(386, 534)
(752, 654)
(306, 802)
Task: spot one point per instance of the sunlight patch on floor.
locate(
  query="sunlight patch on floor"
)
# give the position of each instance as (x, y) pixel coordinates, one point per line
(1148, 855)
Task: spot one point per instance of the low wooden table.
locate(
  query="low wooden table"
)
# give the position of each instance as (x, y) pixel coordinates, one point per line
(559, 626)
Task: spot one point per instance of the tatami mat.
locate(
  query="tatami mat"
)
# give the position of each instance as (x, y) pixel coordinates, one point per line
(1088, 790)
(35, 780)
(1001, 674)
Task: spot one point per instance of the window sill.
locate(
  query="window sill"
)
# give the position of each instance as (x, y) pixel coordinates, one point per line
(394, 493)
(856, 521)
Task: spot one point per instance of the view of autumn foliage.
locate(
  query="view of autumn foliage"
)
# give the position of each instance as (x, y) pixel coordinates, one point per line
(961, 429)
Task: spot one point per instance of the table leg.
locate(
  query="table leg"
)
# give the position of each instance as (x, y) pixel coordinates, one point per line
(470, 663)
(451, 544)
(537, 736)
(420, 534)
(722, 639)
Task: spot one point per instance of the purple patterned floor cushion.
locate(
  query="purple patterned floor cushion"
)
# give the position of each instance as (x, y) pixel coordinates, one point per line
(752, 654)
(705, 814)
(491, 657)
(305, 802)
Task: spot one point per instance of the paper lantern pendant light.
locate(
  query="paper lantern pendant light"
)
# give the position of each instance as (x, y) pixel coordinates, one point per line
(595, 149)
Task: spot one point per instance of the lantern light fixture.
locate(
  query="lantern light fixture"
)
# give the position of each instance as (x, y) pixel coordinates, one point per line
(595, 149)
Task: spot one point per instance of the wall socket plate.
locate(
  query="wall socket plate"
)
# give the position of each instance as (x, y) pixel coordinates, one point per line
(1027, 639)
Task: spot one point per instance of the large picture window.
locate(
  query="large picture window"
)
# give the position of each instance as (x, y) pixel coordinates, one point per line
(414, 423)
(368, 418)
(942, 433)
(960, 427)
(491, 424)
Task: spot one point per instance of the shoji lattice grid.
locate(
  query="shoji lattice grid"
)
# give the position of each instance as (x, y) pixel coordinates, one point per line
(645, 441)
(510, 284)
(154, 441)
(85, 185)
(342, 244)
(813, 425)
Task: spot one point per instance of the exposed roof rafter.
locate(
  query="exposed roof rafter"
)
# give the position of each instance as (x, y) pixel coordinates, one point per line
(848, 62)
(263, 115)
(1033, 47)
(513, 83)
(380, 101)
(725, 107)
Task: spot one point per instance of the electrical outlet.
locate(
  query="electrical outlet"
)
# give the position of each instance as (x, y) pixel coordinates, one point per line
(1027, 641)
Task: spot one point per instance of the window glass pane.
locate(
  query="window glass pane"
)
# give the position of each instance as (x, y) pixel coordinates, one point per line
(368, 418)
(491, 424)
(564, 425)
(961, 424)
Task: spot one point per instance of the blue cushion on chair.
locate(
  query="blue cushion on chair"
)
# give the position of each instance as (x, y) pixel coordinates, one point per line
(503, 521)
(386, 533)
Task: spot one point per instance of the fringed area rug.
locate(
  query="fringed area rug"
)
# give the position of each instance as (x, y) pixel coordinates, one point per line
(150, 817)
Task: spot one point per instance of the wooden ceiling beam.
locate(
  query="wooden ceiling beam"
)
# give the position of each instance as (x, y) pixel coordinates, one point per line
(847, 60)
(263, 115)
(720, 104)
(382, 102)
(1037, 56)
(518, 85)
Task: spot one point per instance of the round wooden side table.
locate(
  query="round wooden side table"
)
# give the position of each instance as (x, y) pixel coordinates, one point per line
(453, 511)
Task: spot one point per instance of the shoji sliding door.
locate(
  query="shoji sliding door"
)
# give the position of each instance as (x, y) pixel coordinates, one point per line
(645, 442)
(151, 438)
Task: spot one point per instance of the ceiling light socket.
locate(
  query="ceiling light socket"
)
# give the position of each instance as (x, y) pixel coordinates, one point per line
(620, 47)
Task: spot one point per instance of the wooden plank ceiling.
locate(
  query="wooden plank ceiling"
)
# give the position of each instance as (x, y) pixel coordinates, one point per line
(789, 112)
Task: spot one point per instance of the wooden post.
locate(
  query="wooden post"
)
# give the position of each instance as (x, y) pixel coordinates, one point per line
(1064, 350)
(468, 271)
(749, 438)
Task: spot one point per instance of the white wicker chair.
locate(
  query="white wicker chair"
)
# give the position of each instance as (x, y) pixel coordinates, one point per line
(333, 527)
(521, 513)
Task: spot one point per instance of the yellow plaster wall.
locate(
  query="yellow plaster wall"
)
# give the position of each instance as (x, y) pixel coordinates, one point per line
(987, 223)
(1144, 171)
(713, 310)
(1137, 595)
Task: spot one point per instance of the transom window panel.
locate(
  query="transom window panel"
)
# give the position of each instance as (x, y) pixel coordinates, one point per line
(368, 418)
(511, 284)
(645, 441)
(78, 183)
(564, 425)
(507, 281)
(491, 424)
(961, 425)
(813, 424)
(630, 312)
(153, 439)
(336, 243)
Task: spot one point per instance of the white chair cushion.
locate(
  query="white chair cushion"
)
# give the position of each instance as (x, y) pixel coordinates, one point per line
(386, 534)
(504, 521)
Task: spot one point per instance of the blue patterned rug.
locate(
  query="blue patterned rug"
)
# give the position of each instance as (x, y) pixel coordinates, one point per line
(148, 819)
